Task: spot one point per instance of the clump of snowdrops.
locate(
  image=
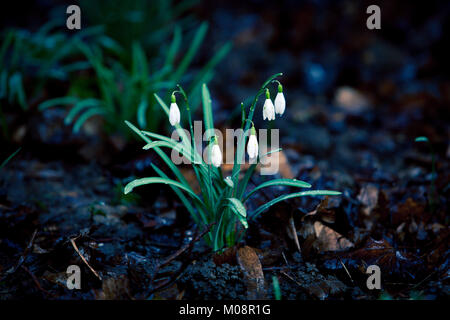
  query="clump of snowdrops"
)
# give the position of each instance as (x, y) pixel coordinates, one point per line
(222, 201)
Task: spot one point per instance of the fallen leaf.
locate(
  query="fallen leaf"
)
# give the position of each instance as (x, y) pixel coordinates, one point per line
(390, 260)
(251, 267)
(329, 240)
(408, 210)
(114, 288)
(368, 196)
(322, 212)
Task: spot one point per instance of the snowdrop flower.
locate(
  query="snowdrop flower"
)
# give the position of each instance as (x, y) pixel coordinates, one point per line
(216, 154)
(268, 108)
(174, 112)
(280, 102)
(252, 145)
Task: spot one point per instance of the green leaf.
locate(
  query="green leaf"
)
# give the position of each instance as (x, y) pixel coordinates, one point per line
(279, 182)
(293, 195)
(86, 103)
(207, 109)
(16, 89)
(162, 155)
(242, 185)
(152, 180)
(182, 197)
(141, 113)
(206, 72)
(175, 146)
(57, 101)
(268, 153)
(195, 44)
(238, 208)
(276, 288)
(422, 139)
(175, 45)
(9, 158)
(248, 174)
(82, 119)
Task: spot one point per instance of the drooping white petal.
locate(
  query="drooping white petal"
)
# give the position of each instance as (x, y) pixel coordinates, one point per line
(252, 146)
(268, 110)
(174, 114)
(280, 103)
(216, 156)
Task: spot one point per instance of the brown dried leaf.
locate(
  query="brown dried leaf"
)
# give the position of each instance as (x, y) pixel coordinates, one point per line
(251, 267)
(322, 212)
(408, 210)
(368, 196)
(329, 240)
(114, 288)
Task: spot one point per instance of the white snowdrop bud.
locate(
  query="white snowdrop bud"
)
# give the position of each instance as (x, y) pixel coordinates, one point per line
(280, 102)
(216, 154)
(174, 112)
(268, 108)
(252, 145)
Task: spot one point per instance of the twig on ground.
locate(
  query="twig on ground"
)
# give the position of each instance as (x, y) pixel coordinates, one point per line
(185, 247)
(22, 257)
(346, 270)
(84, 259)
(36, 281)
(173, 257)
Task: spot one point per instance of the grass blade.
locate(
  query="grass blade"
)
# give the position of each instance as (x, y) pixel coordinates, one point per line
(79, 106)
(293, 195)
(152, 180)
(196, 42)
(9, 158)
(57, 101)
(141, 113)
(82, 119)
(279, 182)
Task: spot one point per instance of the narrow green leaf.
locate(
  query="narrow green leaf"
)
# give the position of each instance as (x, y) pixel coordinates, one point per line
(207, 108)
(161, 153)
(182, 197)
(422, 139)
(142, 113)
(175, 146)
(16, 89)
(152, 180)
(79, 106)
(57, 101)
(293, 195)
(174, 47)
(195, 44)
(207, 71)
(85, 116)
(279, 182)
(9, 158)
